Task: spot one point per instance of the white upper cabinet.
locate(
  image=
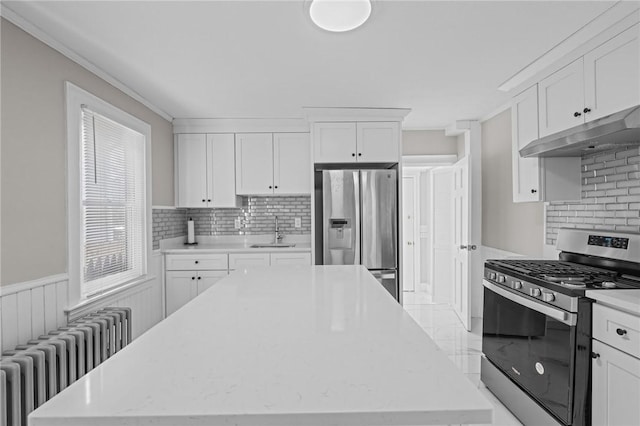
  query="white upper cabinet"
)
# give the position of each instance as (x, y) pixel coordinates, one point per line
(191, 173)
(205, 174)
(539, 179)
(612, 75)
(524, 119)
(334, 142)
(221, 171)
(562, 99)
(378, 142)
(602, 82)
(273, 164)
(365, 142)
(291, 163)
(254, 163)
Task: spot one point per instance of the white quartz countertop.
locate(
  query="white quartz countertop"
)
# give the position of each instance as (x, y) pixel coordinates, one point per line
(301, 345)
(234, 245)
(626, 300)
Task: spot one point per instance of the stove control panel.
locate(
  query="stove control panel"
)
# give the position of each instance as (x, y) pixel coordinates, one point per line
(534, 291)
(609, 242)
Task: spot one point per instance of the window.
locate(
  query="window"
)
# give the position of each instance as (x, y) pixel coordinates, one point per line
(108, 194)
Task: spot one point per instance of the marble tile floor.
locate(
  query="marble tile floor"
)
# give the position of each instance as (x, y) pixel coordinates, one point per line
(464, 348)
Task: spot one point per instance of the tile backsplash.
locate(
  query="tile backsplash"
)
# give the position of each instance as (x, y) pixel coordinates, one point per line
(257, 217)
(610, 195)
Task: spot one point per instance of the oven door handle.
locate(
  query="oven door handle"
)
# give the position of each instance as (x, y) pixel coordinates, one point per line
(557, 314)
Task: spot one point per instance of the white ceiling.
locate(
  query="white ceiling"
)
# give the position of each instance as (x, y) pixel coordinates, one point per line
(231, 59)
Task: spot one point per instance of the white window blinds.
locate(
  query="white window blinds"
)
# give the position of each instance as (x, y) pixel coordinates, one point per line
(113, 204)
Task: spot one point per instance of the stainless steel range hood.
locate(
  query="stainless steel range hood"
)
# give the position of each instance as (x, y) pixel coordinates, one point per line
(610, 132)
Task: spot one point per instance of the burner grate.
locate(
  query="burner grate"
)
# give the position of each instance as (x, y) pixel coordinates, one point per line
(549, 268)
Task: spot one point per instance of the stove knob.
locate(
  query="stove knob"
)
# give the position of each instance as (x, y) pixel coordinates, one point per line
(535, 292)
(492, 275)
(501, 279)
(548, 297)
(516, 285)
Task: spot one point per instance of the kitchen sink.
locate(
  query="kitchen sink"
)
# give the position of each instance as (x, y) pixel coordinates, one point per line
(273, 245)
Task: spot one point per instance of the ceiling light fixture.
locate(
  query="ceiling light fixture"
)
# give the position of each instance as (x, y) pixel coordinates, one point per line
(339, 15)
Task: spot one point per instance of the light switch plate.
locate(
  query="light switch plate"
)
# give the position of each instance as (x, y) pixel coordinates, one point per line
(236, 223)
(297, 222)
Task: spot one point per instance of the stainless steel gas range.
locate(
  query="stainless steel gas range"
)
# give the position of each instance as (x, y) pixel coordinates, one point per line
(537, 323)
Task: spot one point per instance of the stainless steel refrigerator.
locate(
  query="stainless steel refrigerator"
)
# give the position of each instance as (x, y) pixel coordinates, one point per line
(358, 212)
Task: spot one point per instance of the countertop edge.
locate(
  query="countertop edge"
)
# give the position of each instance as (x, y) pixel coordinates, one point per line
(624, 300)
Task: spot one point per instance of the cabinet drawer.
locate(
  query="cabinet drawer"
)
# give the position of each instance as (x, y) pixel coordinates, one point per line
(196, 262)
(618, 329)
(243, 260)
(290, 259)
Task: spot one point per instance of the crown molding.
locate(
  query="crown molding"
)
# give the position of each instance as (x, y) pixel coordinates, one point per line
(612, 21)
(50, 41)
(240, 125)
(328, 114)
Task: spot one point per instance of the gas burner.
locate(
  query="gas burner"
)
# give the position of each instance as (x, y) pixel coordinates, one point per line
(607, 284)
(566, 279)
(573, 284)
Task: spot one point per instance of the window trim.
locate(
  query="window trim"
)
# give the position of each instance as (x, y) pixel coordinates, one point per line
(75, 98)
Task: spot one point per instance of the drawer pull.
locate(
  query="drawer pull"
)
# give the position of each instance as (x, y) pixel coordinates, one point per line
(621, 331)
(595, 355)
(196, 262)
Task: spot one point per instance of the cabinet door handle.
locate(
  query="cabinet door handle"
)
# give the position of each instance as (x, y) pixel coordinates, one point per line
(276, 187)
(353, 154)
(193, 278)
(359, 154)
(199, 278)
(196, 262)
(577, 114)
(204, 201)
(595, 355)
(586, 110)
(270, 187)
(621, 331)
(533, 191)
(208, 201)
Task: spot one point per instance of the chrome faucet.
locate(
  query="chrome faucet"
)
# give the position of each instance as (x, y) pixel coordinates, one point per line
(278, 236)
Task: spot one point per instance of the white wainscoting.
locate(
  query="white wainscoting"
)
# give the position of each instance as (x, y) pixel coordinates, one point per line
(30, 309)
(477, 293)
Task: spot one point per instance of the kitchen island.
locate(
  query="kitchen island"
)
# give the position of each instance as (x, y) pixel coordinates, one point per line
(296, 345)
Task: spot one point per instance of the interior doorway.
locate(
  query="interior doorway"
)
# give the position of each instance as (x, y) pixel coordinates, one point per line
(423, 278)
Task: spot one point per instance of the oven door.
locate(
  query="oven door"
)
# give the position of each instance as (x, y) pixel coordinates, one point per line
(534, 344)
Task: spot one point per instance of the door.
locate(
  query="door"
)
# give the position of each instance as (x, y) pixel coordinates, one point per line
(291, 163)
(221, 170)
(254, 164)
(340, 217)
(191, 153)
(612, 75)
(379, 218)
(442, 235)
(526, 171)
(181, 287)
(334, 142)
(408, 233)
(616, 387)
(461, 244)
(377, 142)
(562, 99)
(206, 279)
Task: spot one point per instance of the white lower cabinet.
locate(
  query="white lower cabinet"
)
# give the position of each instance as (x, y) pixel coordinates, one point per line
(188, 275)
(616, 387)
(615, 379)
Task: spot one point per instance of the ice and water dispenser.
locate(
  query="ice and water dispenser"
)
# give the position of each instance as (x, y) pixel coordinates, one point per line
(340, 234)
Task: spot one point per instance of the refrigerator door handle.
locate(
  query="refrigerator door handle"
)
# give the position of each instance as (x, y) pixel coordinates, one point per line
(356, 193)
(386, 276)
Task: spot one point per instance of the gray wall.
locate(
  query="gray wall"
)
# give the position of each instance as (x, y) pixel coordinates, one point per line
(514, 227)
(428, 142)
(34, 235)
